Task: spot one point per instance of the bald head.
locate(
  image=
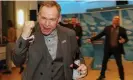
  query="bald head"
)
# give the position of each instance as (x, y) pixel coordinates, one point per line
(116, 20)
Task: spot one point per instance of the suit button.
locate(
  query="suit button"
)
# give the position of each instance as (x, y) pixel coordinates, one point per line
(52, 70)
(52, 63)
(41, 73)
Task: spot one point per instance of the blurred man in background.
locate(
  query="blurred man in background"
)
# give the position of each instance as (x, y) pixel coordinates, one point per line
(11, 39)
(115, 37)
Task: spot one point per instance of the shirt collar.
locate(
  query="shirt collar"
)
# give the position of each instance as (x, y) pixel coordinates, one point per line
(53, 34)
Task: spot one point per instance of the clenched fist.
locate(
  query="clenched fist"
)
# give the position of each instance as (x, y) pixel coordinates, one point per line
(121, 40)
(89, 40)
(27, 29)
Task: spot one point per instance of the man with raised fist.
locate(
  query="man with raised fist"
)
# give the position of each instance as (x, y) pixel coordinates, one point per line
(50, 48)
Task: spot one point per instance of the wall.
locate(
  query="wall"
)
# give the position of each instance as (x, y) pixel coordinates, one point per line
(25, 6)
(7, 14)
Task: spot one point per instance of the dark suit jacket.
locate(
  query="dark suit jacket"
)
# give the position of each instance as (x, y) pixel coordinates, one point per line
(78, 31)
(106, 32)
(37, 50)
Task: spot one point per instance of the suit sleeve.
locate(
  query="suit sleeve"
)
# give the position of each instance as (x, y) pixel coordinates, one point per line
(125, 35)
(81, 32)
(76, 51)
(99, 35)
(20, 52)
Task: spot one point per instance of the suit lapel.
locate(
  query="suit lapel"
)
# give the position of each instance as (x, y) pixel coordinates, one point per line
(42, 46)
(119, 34)
(110, 29)
(62, 41)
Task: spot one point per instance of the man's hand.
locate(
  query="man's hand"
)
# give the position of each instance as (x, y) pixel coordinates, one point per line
(83, 70)
(77, 37)
(122, 40)
(27, 29)
(89, 40)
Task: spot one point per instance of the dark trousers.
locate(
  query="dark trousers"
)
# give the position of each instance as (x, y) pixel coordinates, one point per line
(117, 56)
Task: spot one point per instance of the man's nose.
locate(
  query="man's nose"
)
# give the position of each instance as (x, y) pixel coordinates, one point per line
(47, 23)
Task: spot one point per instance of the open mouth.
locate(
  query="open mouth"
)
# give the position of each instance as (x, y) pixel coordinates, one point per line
(46, 29)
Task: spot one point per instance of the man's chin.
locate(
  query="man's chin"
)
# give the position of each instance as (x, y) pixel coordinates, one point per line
(46, 33)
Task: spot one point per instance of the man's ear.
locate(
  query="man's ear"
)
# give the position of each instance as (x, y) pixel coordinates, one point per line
(60, 17)
(37, 16)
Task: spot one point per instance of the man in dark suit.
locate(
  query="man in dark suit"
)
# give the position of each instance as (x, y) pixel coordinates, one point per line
(115, 37)
(77, 28)
(52, 51)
